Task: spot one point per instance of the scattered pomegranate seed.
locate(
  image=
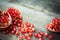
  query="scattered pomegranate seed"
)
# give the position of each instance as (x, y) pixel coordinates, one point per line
(46, 34)
(17, 33)
(4, 32)
(28, 24)
(36, 34)
(39, 36)
(26, 35)
(20, 37)
(13, 32)
(28, 38)
(40, 39)
(41, 33)
(30, 34)
(19, 28)
(51, 37)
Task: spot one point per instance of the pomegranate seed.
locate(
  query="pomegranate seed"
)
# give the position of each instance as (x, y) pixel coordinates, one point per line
(46, 35)
(39, 36)
(28, 24)
(20, 37)
(30, 34)
(40, 39)
(4, 32)
(20, 21)
(41, 33)
(32, 25)
(22, 30)
(30, 31)
(36, 34)
(19, 28)
(33, 29)
(28, 38)
(17, 33)
(30, 28)
(13, 32)
(26, 30)
(26, 35)
(51, 37)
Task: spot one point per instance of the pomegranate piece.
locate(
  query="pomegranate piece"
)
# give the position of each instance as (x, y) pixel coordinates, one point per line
(55, 25)
(5, 19)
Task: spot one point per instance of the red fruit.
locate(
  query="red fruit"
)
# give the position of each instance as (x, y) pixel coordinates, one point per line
(51, 37)
(40, 39)
(36, 34)
(41, 33)
(46, 34)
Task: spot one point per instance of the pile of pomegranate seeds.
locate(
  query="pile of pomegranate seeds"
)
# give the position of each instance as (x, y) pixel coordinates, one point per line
(23, 30)
(54, 26)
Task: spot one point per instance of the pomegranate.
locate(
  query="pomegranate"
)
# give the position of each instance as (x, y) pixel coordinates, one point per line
(5, 19)
(54, 26)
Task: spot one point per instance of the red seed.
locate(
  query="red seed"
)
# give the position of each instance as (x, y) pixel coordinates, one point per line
(39, 36)
(17, 33)
(13, 32)
(22, 30)
(40, 39)
(28, 38)
(4, 32)
(46, 35)
(51, 37)
(33, 29)
(26, 35)
(20, 37)
(30, 34)
(30, 31)
(41, 33)
(19, 28)
(28, 24)
(32, 25)
(36, 34)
